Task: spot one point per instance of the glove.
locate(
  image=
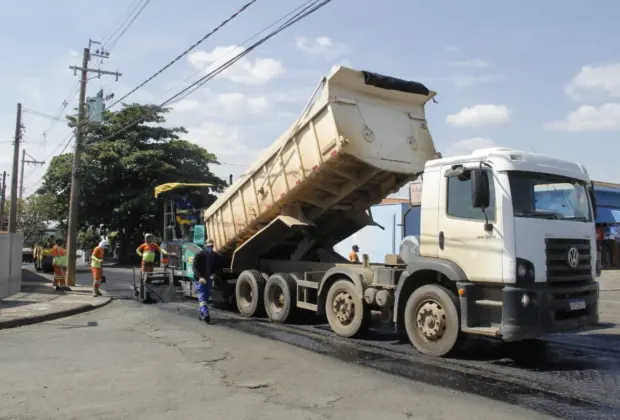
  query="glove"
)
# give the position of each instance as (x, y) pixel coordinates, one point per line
(202, 280)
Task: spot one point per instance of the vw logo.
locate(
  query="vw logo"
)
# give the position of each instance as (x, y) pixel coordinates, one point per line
(573, 257)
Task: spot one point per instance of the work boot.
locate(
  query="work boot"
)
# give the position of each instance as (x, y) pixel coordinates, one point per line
(96, 292)
(58, 288)
(206, 318)
(66, 288)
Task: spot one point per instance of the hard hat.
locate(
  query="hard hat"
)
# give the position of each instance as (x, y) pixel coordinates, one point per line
(148, 236)
(103, 244)
(209, 242)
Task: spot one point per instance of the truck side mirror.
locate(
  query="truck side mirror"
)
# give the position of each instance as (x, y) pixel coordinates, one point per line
(480, 190)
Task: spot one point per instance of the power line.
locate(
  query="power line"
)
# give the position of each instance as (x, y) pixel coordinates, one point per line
(306, 11)
(135, 6)
(184, 53)
(76, 88)
(243, 43)
(41, 114)
(316, 5)
(113, 43)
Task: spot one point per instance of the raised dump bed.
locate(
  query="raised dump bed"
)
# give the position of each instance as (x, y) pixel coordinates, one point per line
(362, 137)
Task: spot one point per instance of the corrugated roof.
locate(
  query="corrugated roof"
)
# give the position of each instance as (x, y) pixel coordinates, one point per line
(394, 201)
(606, 184)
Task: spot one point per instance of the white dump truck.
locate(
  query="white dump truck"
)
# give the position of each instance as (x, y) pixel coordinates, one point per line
(488, 261)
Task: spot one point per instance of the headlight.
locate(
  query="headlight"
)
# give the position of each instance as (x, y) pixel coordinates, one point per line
(525, 271)
(525, 300)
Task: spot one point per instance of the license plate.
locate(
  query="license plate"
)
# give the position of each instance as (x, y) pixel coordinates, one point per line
(577, 304)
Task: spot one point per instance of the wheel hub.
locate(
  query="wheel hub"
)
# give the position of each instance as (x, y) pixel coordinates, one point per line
(431, 321)
(344, 307)
(276, 296)
(245, 294)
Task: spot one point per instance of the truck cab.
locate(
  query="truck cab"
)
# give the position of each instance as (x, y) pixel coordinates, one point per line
(523, 265)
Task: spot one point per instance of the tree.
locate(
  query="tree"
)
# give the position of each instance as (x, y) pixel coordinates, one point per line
(34, 215)
(119, 174)
(88, 239)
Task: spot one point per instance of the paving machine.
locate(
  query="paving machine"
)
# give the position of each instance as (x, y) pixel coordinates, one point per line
(184, 228)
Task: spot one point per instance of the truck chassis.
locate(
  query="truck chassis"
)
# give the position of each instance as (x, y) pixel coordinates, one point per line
(429, 300)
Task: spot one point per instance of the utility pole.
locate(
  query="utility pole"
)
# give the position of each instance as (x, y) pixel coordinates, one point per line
(2, 200)
(24, 162)
(80, 129)
(18, 135)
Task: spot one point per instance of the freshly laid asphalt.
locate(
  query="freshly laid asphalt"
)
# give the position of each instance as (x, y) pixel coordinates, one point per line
(577, 376)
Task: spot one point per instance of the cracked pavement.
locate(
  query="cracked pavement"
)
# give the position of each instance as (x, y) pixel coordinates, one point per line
(127, 361)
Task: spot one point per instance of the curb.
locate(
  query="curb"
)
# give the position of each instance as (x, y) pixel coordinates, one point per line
(21, 322)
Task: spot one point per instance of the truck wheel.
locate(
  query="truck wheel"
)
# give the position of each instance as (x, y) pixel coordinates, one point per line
(280, 297)
(249, 293)
(432, 320)
(346, 313)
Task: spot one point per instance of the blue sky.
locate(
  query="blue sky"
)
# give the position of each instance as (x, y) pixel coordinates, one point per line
(532, 75)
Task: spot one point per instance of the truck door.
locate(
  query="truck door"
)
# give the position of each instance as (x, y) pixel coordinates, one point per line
(478, 252)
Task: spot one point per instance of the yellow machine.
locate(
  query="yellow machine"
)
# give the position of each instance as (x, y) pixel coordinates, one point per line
(43, 261)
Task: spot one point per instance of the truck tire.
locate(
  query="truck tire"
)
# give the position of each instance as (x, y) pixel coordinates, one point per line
(249, 293)
(432, 320)
(346, 312)
(280, 297)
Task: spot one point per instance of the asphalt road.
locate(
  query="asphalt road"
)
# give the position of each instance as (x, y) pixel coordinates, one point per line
(573, 377)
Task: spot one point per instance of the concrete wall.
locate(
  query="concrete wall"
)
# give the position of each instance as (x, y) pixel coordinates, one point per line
(10, 263)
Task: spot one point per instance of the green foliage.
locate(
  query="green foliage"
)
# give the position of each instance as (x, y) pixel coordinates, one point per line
(88, 239)
(119, 175)
(33, 215)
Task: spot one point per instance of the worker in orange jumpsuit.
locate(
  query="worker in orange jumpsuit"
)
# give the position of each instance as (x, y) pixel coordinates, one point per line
(147, 251)
(59, 262)
(95, 266)
(353, 257)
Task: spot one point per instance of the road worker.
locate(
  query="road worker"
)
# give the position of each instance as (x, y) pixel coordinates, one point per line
(204, 266)
(147, 251)
(185, 216)
(353, 256)
(59, 262)
(96, 268)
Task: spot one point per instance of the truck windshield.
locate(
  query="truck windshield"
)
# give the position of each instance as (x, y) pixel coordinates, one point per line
(546, 196)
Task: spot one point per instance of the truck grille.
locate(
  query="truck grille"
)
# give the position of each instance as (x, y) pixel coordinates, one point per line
(559, 269)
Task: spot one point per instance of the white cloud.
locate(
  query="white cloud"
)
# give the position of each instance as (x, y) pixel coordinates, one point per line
(321, 45)
(479, 115)
(465, 147)
(595, 81)
(451, 48)
(245, 71)
(590, 118)
(238, 102)
(477, 63)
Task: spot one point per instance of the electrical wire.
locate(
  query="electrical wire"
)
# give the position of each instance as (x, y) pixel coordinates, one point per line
(134, 6)
(241, 44)
(113, 43)
(41, 114)
(316, 5)
(307, 9)
(184, 53)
